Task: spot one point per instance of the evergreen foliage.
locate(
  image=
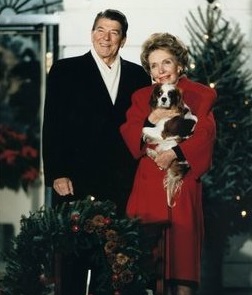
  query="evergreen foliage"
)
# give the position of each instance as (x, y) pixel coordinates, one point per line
(218, 60)
(88, 226)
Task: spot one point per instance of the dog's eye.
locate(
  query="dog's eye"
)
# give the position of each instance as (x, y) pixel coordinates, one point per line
(160, 93)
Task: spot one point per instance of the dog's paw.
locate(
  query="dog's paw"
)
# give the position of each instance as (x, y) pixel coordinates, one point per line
(153, 134)
(151, 153)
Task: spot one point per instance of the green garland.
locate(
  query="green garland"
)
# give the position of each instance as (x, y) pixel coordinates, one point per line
(72, 229)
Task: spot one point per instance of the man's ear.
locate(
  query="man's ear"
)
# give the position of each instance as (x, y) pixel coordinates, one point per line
(123, 42)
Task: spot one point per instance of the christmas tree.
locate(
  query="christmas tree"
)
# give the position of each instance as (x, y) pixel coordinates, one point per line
(218, 60)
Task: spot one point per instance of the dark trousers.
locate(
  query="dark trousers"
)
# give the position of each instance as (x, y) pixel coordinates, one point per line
(71, 269)
(73, 275)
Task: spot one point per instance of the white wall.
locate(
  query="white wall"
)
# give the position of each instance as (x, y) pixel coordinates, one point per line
(15, 204)
(145, 17)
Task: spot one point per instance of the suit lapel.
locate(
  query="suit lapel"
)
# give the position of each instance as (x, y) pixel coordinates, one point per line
(99, 84)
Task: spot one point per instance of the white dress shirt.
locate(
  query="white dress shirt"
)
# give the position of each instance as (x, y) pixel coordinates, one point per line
(110, 75)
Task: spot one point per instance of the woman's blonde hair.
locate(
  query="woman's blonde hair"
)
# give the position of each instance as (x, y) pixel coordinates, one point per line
(168, 42)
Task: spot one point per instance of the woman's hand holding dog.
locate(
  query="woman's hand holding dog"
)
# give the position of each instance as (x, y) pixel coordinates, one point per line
(164, 159)
(161, 113)
(63, 186)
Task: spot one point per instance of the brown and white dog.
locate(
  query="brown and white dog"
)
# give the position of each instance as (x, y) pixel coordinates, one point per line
(168, 132)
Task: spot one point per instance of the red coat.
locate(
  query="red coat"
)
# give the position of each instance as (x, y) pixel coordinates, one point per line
(148, 197)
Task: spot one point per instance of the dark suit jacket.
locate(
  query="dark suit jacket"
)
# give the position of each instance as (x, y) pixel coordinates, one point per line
(81, 138)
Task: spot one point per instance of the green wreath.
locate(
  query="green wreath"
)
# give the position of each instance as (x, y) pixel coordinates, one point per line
(74, 228)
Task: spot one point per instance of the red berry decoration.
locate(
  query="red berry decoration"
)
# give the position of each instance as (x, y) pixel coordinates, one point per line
(75, 228)
(107, 220)
(75, 216)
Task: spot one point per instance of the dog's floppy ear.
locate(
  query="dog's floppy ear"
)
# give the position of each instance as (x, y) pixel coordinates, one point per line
(154, 95)
(186, 127)
(176, 97)
(174, 94)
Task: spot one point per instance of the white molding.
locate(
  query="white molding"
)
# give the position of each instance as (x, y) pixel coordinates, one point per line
(22, 19)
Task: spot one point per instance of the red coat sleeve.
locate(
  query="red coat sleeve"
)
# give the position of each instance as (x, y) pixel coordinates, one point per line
(198, 149)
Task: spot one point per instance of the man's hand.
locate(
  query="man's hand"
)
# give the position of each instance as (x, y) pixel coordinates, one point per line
(63, 186)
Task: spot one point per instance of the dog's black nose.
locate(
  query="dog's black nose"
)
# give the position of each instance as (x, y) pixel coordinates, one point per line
(164, 99)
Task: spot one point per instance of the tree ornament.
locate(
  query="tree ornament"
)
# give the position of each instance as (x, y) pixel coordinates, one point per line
(107, 220)
(75, 228)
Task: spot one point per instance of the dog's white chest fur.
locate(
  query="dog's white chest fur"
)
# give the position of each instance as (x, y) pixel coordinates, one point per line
(168, 132)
